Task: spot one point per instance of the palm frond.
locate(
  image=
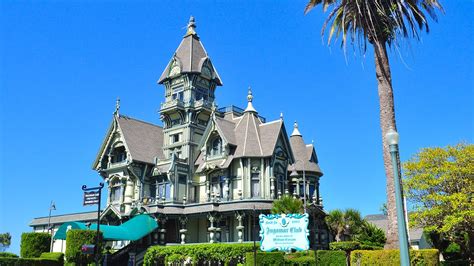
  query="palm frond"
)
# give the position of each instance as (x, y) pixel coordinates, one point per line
(359, 21)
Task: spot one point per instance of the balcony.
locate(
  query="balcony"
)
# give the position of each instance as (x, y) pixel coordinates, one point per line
(172, 103)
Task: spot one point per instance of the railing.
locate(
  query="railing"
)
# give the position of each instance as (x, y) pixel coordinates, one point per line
(237, 111)
(175, 102)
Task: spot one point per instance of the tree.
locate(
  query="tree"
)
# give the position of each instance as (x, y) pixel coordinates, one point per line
(381, 23)
(287, 204)
(440, 184)
(343, 223)
(371, 235)
(5, 241)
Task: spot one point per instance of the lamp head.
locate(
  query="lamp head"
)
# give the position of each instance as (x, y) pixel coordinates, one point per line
(392, 137)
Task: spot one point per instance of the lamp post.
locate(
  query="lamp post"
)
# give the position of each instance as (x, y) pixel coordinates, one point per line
(392, 138)
(52, 207)
(295, 173)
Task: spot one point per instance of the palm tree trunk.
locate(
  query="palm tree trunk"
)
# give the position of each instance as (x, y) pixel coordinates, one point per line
(387, 121)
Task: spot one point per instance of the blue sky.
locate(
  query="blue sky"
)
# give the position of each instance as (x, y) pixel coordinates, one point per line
(63, 64)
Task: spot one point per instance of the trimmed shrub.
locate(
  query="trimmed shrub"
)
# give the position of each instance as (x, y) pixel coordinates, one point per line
(52, 256)
(344, 245)
(425, 257)
(29, 262)
(75, 238)
(33, 244)
(331, 257)
(8, 255)
(198, 253)
(265, 258)
(301, 258)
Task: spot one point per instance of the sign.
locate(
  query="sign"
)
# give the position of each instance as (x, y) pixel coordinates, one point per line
(284, 232)
(87, 249)
(91, 198)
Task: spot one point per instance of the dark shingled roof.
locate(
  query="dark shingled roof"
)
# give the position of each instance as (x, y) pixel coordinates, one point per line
(144, 140)
(191, 56)
(251, 137)
(302, 153)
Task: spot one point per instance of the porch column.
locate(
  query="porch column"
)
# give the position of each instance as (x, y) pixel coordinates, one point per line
(162, 229)
(272, 187)
(183, 220)
(211, 229)
(240, 227)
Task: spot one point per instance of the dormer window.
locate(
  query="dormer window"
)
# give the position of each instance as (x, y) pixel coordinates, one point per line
(118, 154)
(216, 147)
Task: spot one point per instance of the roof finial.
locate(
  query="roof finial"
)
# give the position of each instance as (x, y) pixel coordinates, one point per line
(191, 27)
(117, 107)
(249, 100)
(281, 115)
(249, 95)
(296, 132)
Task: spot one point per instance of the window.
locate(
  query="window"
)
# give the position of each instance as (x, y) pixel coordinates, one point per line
(164, 189)
(175, 138)
(118, 155)
(216, 147)
(218, 186)
(116, 191)
(255, 184)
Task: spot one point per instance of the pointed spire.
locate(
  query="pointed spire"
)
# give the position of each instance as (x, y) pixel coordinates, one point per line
(117, 107)
(191, 27)
(296, 132)
(250, 107)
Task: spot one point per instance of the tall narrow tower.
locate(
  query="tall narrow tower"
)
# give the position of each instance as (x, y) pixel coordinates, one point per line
(190, 80)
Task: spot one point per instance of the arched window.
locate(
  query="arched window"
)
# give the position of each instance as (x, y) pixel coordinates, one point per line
(115, 190)
(216, 147)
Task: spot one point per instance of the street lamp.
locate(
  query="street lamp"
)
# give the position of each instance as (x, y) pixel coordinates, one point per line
(392, 138)
(52, 207)
(293, 174)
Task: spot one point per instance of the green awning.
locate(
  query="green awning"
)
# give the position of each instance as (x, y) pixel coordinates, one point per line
(133, 229)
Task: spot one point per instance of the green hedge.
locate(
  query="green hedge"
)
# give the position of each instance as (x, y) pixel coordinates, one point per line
(216, 252)
(331, 257)
(8, 255)
(300, 258)
(265, 258)
(425, 257)
(75, 239)
(33, 244)
(52, 256)
(344, 245)
(29, 262)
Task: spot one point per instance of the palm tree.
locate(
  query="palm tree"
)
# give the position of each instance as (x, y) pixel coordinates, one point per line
(348, 222)
(380, 23)
(287, 205)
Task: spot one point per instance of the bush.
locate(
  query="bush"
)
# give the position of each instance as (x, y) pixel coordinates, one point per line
(331, 257)
(265, 258)
(75, 238)
(300, 258)
(29, 262)
(426, 257)
(344, 245)
(216, 252)
(8, 255)
(33, 244)
(52, 256)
